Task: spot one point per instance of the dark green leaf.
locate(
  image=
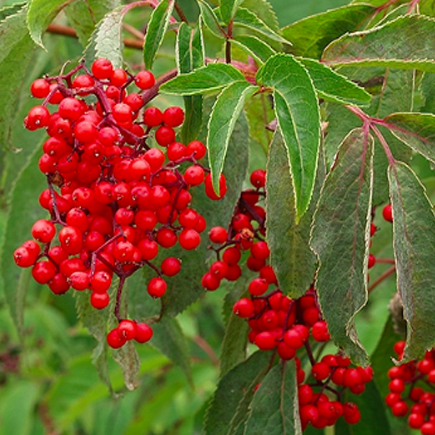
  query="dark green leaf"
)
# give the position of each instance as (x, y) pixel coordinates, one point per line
(401, 43)
(228, 9)
(129, 361)
(291, 256)
(210, 19)
(340, 238)
(414, 250)
(416, 130)
(298, 117)
(210, 78)
(333, 86)
(156, 30)
(40, 14)
(7, 11)
(224, 115)
(258, 49)
(169, 339)
(234, 390)
(312, 34)
(85, 14)
(274, 409)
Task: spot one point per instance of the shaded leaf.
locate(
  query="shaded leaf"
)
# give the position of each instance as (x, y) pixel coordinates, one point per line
(274, 408)
(298, 117)
(340, 238)
(414, 249)
(401, 43)
(333, 86)
(210, 19)
(258, 49)
(212, 77)
(157, 26)
(40, 14)
(312, 34)
(224, 115)
(260, 113)
(234, 394)
(129, 361)
(228, 9)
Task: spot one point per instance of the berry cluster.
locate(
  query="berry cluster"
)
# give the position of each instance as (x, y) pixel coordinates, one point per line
(412, 390)
(279, 323)
(113, 200)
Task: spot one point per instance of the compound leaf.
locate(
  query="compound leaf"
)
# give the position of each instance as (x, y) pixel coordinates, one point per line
(340, 238)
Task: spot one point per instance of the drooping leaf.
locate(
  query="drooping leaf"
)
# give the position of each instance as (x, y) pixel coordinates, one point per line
(275, 409)
(414, 247)
(340, 238)
(190, 56)
(129, 361)
(156, 30)
(258, 49)
(169, 339)
(228, 9)
(224, 115)
(210, 78)
(298, 117)
(235, 389)
(292, 259)
(400, 43)
(417, 130)
(312, 34)
(210, 19)
(85, 14)
(335, 87)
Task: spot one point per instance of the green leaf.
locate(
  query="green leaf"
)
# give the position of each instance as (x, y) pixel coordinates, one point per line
(190, 55)
(258, 49)
(156, 30)
(234, 394)
(298, 117)
(210, 78)
(129, 361)
(13, 9)
(414, 249)
(417, 130)
(40, 14)
(264, 11)
(249, 20)
(224, 115)
(335, 87)
(210, 19)
(292, 259)
(340, 238)
(169, 339)
(274, 409)
(228, 9)
(312, 34)
(401, 43)
(85, 14)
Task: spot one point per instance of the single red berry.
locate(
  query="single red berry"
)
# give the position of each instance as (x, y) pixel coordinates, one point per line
(219, 269)
(43, 231)
(119, 77)
(43, 272)
(258, 286)
(387, 213)
(218, 235)
(371, 262)
(210, 282)
(265, 340)
(102, 69)
(173, 116)
(144, 79)
(197, 149)
(157, 287)
(144, 333)
(170, 266)
(258, 178)
(244, 308)
(400, 408)
(40, 88)
(428, 428)
(38, 117)
(99, 300)
(165, 135)
(152, 116)
(194, 175)
(115, 339)
(127, 328)
(231, 256)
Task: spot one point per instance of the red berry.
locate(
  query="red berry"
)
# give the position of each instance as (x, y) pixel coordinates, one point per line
(43, 231)
(197, 149)
(210, 282)
(144, 333)
(38, 117)
(157, 287)
(40, 88)
(194, 175)
(173, 116)
(218, 235)
(115, 339)
(387, 213)
(127, 328)
(43, 272)
(244, 308)
(209, 190)
(99, 300)
(152, 117)
(165, 135)
(102, 69)
(144, 80)
(265, 340)
(258, 286)
(189, 239)
(258, 178)
(170, 266)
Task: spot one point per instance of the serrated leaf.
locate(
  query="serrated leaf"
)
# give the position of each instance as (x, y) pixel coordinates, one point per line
(156, 30)
(263, 10)
(85, 14)
(249, 20)
(414, 249)
(292, 259)
(334, 87)
(274, 409)
(7, 11)
(40, 14)
(228, 9)
(190, 55)
(417, 130)
(210, 78)
(340, 239)
(224, 115)
(401, 43)
(298, 117)
(129, 361)
(169, 339)
(312, 34)
(258, 49)
(210, 19)
(234, 389)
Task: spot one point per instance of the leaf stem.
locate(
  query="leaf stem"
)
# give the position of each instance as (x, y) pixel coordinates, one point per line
(180, 12)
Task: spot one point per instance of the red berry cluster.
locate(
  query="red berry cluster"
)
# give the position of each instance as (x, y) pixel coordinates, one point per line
(115, 200)
(278, 322)
(412, 390)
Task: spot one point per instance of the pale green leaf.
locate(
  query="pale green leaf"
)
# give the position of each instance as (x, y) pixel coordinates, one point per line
(129, 361)
(298, 117)
(340, 238)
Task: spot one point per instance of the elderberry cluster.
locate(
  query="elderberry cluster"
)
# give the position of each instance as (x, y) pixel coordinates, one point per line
(114, 201)
(279, 323)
